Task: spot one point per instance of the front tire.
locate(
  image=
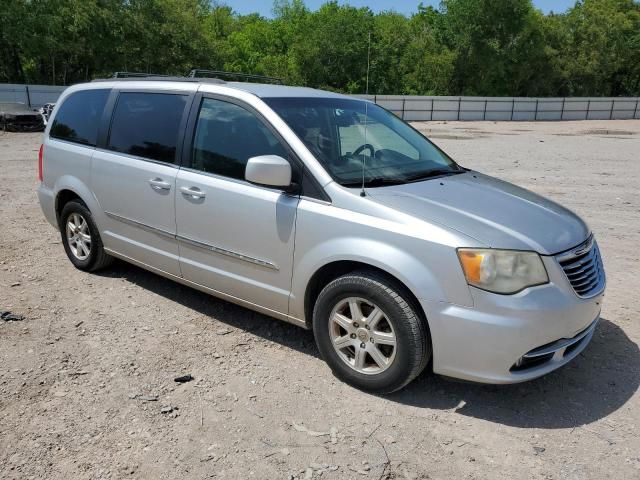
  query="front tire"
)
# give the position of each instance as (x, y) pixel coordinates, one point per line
(81, 239)
(370, 333)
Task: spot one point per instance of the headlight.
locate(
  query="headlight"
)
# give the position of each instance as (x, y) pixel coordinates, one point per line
(502, 271)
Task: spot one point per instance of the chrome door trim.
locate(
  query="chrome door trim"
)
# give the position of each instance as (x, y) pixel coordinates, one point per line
(196, 243)
(234, 180)
(211, 291)
(316, 200)
(136, 157)
(144, 226)
(228, 253)
(69, 142)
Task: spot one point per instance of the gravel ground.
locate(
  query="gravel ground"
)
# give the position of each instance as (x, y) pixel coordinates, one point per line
(86, 377)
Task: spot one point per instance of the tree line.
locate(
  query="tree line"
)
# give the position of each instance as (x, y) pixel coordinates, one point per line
(463, 47)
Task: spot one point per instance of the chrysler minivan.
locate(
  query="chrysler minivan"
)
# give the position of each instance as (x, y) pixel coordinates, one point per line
(328, 212)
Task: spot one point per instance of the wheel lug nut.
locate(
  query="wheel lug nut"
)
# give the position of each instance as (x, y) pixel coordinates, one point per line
(367, 327)
(355, 324)
(371, 340)
(362, 345)
(353, 335)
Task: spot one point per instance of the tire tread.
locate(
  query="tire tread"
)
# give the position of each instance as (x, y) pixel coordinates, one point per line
(419, 333)
(101, 259)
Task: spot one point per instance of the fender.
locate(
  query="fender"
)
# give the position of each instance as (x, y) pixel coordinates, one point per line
(413, 272)
(77, 186)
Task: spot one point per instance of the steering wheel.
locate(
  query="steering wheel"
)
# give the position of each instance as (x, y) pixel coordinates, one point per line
(361, 148)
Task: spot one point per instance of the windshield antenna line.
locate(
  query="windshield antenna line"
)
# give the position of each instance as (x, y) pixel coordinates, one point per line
(366, 111)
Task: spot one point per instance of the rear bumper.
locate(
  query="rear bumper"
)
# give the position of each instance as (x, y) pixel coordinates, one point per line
(511, 338)
(47, 204)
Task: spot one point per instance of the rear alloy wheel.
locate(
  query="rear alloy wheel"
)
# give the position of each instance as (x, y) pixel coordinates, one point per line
(78, 236)
(81, 239)
(370, 333)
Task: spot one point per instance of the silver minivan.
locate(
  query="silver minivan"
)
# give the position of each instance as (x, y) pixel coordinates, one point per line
(328, 212)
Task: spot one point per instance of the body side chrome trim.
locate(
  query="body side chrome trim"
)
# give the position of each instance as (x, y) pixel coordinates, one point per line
(195, 243)
(216, 293)
(144, 226)
(229, 253)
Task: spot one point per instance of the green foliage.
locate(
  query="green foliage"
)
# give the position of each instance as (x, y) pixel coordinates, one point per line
(603, 54)
(464, 47)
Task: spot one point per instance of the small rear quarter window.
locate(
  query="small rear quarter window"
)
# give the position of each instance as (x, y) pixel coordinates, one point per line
(78, 118)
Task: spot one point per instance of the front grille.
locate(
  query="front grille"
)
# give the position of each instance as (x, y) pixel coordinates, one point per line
(583, 268)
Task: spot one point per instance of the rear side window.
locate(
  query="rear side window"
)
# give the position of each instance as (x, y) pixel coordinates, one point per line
(147, 125)
(78, 118)
(227, 136)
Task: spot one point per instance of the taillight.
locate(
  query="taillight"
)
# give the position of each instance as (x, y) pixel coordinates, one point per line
(40, 177)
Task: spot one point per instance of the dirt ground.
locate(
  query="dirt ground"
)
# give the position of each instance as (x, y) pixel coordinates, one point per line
(85, 377)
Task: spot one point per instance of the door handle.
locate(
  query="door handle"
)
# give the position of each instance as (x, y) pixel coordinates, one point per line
(159, 184)
(193, 192)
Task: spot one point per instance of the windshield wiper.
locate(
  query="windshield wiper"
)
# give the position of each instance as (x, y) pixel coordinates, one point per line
(433, 173)
(383, 181)
(375, 182)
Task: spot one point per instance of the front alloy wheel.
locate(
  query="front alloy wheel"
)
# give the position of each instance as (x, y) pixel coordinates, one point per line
(362, 335)
(371, 332)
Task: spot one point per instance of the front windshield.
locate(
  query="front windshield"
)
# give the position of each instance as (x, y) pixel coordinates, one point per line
(342, 136)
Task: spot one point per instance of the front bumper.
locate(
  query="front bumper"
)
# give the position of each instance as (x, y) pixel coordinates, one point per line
(496, 340)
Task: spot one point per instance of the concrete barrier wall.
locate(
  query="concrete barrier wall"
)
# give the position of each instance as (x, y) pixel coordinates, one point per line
(34, 95)
(417, 108)
(423, 108)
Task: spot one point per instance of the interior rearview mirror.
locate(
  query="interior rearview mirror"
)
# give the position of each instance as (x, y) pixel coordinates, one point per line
(268, 170)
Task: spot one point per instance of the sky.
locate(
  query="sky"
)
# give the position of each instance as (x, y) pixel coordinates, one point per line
(407, 7)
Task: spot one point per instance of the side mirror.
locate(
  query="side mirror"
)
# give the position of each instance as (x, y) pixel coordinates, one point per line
(268, 170)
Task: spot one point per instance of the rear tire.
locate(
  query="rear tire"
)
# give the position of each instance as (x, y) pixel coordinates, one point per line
(81, 239)
(370, 333)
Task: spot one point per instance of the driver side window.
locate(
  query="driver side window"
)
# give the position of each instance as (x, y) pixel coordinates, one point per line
(227, 136)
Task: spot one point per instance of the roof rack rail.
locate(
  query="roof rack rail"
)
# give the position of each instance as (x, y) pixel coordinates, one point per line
(198, 73)
(152, 77)
(136, 75)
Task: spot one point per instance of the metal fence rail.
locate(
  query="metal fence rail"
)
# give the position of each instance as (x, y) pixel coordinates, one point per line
(417, 108)
(422, 108)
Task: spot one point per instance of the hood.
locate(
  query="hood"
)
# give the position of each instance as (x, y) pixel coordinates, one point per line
(496, 213)
(16, 109)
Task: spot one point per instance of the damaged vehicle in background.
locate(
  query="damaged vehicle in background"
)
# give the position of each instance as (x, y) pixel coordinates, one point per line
(18, 117)
(46, 110)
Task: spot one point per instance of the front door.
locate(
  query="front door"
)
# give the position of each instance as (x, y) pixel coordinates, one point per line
(234, 237)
